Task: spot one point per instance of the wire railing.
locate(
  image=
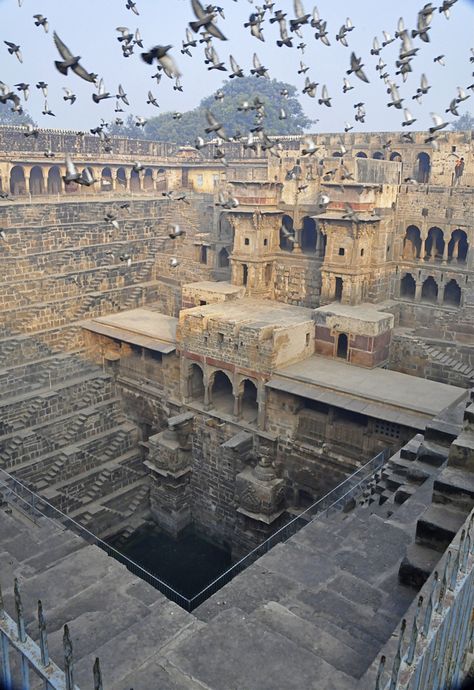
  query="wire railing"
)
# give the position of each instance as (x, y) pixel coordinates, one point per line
(36, 507)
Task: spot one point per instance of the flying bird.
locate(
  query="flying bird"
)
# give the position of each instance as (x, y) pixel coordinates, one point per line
(70, 61)
(41, 21)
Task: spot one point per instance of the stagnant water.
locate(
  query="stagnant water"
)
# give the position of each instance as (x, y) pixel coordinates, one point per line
(187, 564)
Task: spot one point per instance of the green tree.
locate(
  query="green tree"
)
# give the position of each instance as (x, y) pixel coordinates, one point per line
(185, 129)
(464, 123)
(7, 117)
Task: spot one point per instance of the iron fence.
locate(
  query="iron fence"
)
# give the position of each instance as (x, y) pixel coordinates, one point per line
(336, 500)
(434, 639)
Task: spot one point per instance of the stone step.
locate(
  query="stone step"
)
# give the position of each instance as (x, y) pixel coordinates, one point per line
(456, 487)
(438, 526)
(417, 565)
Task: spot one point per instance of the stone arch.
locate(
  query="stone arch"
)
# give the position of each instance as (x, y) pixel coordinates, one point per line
(309, 235)
(408, 286)
(285, 242)
(424, 167)
(342, 345)
(196, 383)
(452, 293)
(222, 392)
(148, 182)
(361, 154)
(223, 258)
(55, 185)
(412, 243)
(17, 180)
(135, 182)
(429, 290)
(396, 156)
(434, 244)
(121, 177)
(36, 181)
(106, 179)
(248, 393)
(458, 246)
(378, 156)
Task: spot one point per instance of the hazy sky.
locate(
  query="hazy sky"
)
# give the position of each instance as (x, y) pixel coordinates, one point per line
(88, 28)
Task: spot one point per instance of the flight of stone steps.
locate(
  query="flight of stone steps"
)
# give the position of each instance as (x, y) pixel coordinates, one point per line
(63, 434)
(110, 613)
(445, 366)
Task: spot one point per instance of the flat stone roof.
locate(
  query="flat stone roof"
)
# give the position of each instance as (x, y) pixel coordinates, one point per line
(362, 312)
(381, 393)
(143, 327)
(221, 287)
(255, 311)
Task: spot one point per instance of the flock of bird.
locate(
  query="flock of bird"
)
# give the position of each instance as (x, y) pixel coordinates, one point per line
(203, 29)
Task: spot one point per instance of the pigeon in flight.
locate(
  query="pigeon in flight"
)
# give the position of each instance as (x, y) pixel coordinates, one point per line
(14, 49)
(160, 53)
(41, 21)
(205, 20)
(70, 61)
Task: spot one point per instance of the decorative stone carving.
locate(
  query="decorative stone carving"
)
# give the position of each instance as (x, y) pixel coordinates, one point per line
(260, 494)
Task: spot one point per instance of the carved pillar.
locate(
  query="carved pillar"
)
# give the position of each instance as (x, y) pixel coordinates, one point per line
(445, 252)
(237, 406)
(169, 461)
(260, 497)
(418, 289)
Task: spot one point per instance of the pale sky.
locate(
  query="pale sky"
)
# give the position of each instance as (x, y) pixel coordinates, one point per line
(88, 28)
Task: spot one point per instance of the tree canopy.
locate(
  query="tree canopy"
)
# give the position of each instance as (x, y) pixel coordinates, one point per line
(464, 123)
(166, 127)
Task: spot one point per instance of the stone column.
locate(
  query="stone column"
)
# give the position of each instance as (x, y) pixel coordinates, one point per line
(418, 288)
(440, 293)
(207, 393)
(445, 252)
(237, 406)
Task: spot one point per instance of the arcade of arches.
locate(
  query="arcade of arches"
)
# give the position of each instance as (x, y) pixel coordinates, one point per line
(436, 245)
(429, 290)
(45, 179)
(215, 391)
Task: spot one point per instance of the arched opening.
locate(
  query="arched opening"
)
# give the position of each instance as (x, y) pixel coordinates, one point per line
(378, 156)
(135, 181)
(458, 246)
(245, 274)
(337, 154)
(222, 395)
(339, 289)
(424, 167)
(196, 383)
(342, 346)
(36, 181)
(308, 235)
(429, 290)
(223, 260)
(55, 183)
(106, 180)
(452, 293)
(148, 183)
(407, 286)
(17, 180)
(412, 243)
(121, 178)
(434, 245)
(249, 407)
(268, 273)
(361, 154)
(286, 234)
(395, 156)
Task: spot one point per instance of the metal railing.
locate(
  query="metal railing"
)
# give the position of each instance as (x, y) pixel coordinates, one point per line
(336, 500)
(33, 657)
(436, 636)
